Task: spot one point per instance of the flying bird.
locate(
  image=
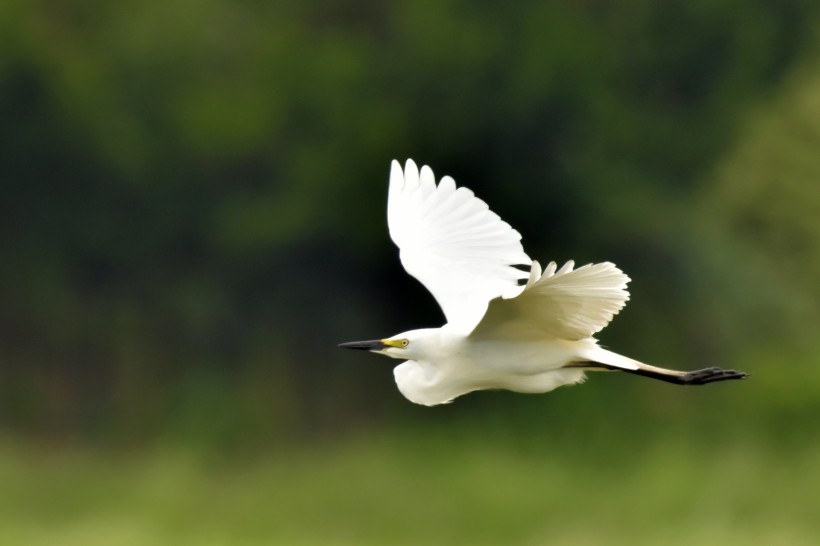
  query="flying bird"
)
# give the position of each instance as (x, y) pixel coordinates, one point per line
(507, 328)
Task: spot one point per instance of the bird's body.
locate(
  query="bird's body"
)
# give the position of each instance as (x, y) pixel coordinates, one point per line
(501, 332)
(457, 365)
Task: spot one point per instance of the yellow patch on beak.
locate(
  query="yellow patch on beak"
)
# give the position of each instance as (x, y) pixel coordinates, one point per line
(397, 343)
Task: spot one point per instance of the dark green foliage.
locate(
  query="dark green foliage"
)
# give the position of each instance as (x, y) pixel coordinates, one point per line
(192, 210)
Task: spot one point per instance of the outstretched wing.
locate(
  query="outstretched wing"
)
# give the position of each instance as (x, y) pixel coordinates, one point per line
(451, 241)
(567, 304)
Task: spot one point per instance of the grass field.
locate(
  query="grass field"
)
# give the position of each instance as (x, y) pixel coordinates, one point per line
(414, 490)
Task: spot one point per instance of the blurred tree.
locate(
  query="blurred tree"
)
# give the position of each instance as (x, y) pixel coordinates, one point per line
(762, 221)
(192, 191)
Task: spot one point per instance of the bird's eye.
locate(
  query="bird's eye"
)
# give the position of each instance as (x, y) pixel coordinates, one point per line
(405, 343)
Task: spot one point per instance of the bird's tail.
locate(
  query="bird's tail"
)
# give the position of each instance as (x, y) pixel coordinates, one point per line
(597, 358)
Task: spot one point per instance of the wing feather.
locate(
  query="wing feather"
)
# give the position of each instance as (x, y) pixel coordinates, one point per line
(563, 303)
(451, 241)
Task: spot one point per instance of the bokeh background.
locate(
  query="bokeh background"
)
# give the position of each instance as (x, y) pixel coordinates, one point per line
(192, 217)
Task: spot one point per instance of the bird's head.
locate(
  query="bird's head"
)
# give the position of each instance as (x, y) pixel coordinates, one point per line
(405, 346)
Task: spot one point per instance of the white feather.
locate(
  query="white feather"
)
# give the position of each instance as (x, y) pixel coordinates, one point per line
(570, 304)
(462, 252)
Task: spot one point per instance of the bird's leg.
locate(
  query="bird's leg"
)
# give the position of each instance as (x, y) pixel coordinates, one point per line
(694, 377)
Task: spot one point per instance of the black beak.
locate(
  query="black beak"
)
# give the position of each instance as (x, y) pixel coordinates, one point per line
(372, 345)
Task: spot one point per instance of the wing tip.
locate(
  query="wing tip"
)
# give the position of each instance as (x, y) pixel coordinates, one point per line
(396, 175)
(409, 168)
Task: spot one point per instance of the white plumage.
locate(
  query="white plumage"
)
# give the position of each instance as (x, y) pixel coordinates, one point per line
(453, 243)
(501, 333)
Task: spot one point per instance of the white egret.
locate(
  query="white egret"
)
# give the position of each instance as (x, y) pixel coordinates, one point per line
(501, 332)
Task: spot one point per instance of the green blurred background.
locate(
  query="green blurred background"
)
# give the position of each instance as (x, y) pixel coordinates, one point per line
(193, 216)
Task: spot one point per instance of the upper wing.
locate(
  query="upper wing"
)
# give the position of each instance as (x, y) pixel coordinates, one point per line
(564, 304)
(449, 239)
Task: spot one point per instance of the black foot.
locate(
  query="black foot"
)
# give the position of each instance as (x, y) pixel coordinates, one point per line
(708, 375)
